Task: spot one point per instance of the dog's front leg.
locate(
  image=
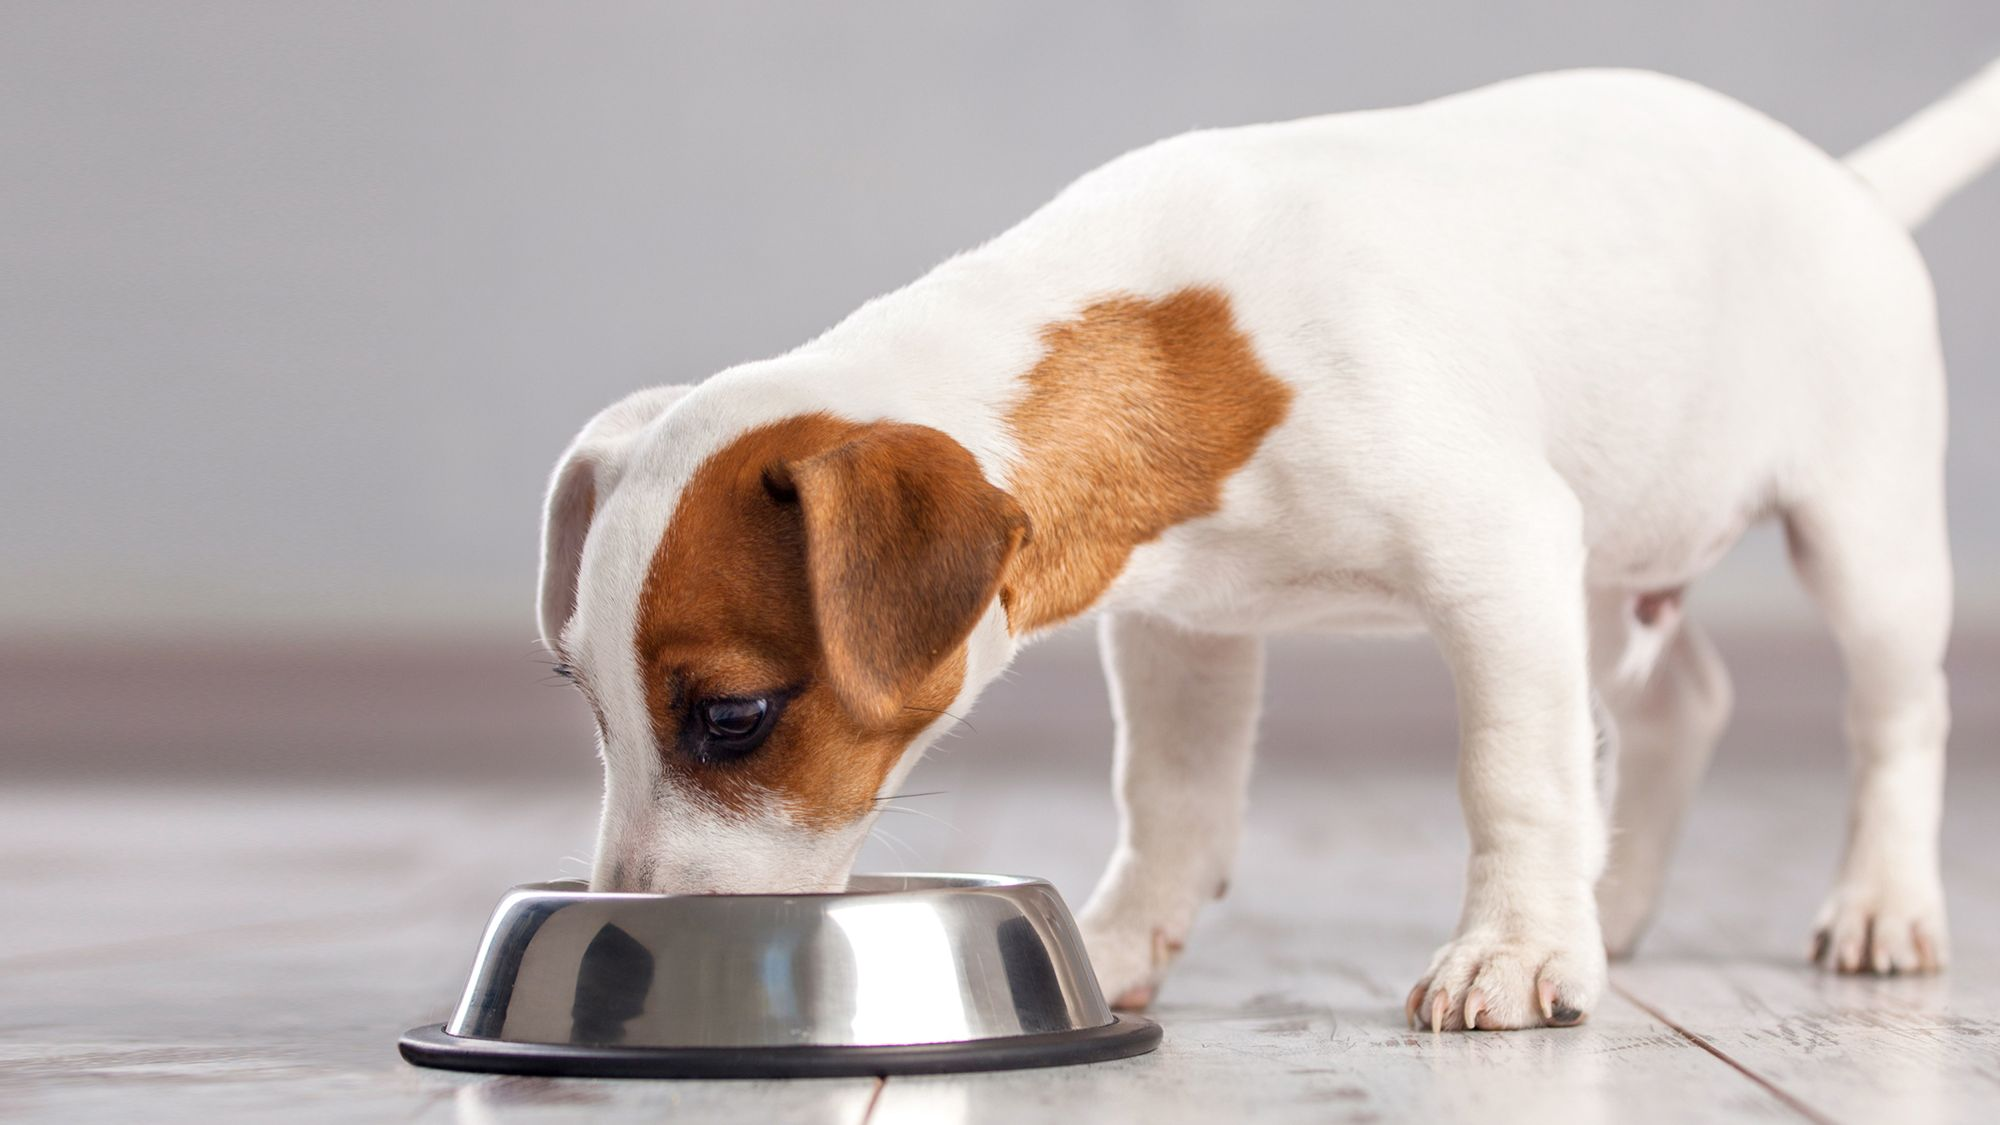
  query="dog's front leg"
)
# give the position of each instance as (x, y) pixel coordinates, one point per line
(1505, 600)
(1186, 707)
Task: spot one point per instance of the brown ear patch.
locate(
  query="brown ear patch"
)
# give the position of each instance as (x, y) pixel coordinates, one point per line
(905, 544)
(1136, 415)
(728, 610)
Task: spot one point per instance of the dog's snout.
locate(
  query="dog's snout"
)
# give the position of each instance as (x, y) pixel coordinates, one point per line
(620, 874)
(646, 876)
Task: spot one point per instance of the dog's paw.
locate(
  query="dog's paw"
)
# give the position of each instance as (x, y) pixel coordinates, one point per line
(1882, 926)
(1485, 982)
(1131, 956)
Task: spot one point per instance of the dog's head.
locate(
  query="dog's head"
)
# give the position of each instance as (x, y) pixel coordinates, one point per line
(770, 619)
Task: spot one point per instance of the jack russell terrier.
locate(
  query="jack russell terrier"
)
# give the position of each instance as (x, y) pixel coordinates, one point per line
(1513, 367)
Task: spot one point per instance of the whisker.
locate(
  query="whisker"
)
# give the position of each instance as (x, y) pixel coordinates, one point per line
(925, 814)
(946, 714)
(893, 842)
(904, 796)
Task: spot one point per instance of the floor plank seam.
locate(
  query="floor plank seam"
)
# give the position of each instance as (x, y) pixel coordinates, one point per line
(874, 1098)
(1791, 1101)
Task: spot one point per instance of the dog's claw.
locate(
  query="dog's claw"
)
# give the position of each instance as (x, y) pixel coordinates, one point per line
(1482, 984)
(1136, 999)
(1882, 933)
(1849, 959)
(1927, 960)
(1562, 1015)
(1416, 1001)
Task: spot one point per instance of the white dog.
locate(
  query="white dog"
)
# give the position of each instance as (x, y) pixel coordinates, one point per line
(1513, 367)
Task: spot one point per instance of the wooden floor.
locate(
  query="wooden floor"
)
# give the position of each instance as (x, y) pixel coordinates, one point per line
(217, 951)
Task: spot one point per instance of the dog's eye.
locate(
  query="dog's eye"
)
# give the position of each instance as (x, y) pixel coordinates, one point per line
(726, 729)
(734, 718)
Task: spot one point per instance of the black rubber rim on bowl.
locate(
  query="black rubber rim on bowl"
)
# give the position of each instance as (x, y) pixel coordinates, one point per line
(1123, 1037)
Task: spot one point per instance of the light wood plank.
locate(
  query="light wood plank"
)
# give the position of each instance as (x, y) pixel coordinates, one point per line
(259, 957)
(1727, 958)
(289, 1009)
(1287, 1005)
(97, 866)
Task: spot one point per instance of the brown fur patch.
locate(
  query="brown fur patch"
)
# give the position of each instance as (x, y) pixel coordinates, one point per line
(728, 611)
(848, 562)
(1137, 413)
(905, 545)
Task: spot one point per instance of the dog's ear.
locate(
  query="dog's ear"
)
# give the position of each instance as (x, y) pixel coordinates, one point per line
(906, 544)
(584, 476)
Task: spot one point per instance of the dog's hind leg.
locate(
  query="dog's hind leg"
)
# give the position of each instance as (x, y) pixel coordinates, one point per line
(1186, 706)
(1873, 554)
(1669, 697)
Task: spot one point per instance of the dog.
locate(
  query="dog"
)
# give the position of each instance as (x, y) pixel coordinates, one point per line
(1513, 367)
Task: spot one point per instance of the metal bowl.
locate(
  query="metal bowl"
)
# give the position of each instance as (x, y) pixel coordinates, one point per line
(900, 974)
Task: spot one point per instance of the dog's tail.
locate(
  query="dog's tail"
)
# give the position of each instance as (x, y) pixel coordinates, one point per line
(1918, 165)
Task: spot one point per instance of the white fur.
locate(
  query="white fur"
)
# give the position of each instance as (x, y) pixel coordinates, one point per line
(1553, 344)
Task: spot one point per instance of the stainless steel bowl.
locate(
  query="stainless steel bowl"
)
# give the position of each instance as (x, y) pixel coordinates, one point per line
(899, 974)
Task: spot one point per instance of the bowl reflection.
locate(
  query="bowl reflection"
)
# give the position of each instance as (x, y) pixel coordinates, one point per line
(896, 960)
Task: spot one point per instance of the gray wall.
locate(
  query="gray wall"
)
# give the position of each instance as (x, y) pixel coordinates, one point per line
(298, 302)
